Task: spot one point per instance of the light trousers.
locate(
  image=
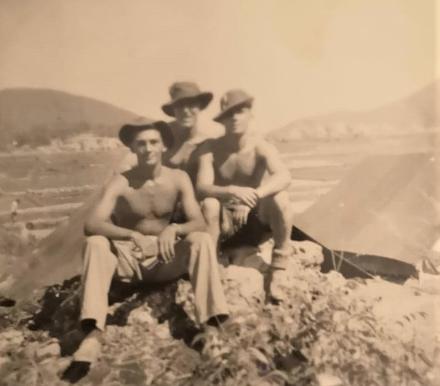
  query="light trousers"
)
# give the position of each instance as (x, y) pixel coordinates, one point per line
(194, 255)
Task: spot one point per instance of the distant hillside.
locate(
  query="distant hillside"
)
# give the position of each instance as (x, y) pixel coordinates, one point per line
(415, 112)
(34, 116)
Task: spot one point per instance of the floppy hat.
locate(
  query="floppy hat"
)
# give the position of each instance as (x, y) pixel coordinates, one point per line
(129, 130)
(186, 90)
(232, 99)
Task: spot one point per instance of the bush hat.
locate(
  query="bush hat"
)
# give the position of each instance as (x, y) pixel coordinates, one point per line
(186, 91)
(231, 100)
(129, 130)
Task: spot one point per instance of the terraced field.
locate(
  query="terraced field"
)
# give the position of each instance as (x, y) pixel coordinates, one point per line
(52, 186)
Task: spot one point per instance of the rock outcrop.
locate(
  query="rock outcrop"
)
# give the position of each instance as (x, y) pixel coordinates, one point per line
(323, 332)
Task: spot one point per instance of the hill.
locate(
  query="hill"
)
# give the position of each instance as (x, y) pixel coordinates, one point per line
(414, 113)
(35, 116)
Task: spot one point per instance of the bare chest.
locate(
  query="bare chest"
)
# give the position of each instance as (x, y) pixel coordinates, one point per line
(151, 201)
(237, 166)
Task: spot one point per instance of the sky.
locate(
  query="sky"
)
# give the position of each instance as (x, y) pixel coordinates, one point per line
(296, 57)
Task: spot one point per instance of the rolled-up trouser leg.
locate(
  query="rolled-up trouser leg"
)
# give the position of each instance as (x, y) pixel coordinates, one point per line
(98, 269)
(204, 273)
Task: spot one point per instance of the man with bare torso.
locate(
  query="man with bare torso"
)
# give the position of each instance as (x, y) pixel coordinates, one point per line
(130, 236)
(242, 180)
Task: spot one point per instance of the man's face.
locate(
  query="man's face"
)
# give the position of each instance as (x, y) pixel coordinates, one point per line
(148, 147)
(186, 112)
(237, 120)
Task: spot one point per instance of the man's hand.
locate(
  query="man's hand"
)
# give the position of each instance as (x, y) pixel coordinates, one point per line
(247, 196)
(166, 241)
(240, 215)
(143, 245)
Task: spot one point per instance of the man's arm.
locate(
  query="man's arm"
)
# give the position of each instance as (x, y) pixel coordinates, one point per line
(205, 179)
(195, 221)
(192, 211)
(99, 221)
(207, 188)
(279, 176)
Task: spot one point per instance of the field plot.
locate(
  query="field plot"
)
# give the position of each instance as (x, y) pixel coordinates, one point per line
(49, 186)
(52, 186)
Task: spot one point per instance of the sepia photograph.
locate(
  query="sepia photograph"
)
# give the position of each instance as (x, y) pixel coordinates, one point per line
(225, 193)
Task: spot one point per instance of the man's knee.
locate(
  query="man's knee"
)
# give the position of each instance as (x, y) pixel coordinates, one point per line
(281, 202)
(276, 206)
(198, 238)
(97, 242)
(198, 245)
(211, 209)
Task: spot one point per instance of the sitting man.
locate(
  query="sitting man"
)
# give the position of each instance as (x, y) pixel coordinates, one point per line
(243, 182)
(131, 238)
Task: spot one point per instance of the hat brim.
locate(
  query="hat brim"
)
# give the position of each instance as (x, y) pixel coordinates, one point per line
(204, 98)
(219, 117)
(128, 131)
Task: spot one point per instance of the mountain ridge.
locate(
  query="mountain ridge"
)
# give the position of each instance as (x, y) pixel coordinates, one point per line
(34, 116)
(417, 111)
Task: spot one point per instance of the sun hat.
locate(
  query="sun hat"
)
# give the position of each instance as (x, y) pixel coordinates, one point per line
(186, 91)
(231, 100)
(129, 130)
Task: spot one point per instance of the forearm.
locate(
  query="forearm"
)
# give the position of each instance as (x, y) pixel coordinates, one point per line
(108, 230)
(216, 191)
(274, 184)
(196, 225)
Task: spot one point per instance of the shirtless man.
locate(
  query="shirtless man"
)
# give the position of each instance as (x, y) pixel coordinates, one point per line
(187, 101)
(242, 180)
(130, 236)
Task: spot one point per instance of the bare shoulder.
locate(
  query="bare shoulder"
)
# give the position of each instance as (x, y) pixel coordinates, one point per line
(179, 178)
(264, 147)
(116, 185)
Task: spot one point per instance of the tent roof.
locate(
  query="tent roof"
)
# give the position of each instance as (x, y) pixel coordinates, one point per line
(386, 206)
(57, 258)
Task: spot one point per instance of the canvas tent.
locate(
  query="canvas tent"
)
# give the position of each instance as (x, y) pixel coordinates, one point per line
(385, 207)
(57, 258)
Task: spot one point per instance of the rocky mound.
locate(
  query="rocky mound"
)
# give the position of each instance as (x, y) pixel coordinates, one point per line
(324, 334)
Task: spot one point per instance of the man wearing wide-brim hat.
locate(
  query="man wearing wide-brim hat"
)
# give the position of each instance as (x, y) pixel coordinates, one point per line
(129, 130)
(185, 104)
(243, 182)
(131, 236)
